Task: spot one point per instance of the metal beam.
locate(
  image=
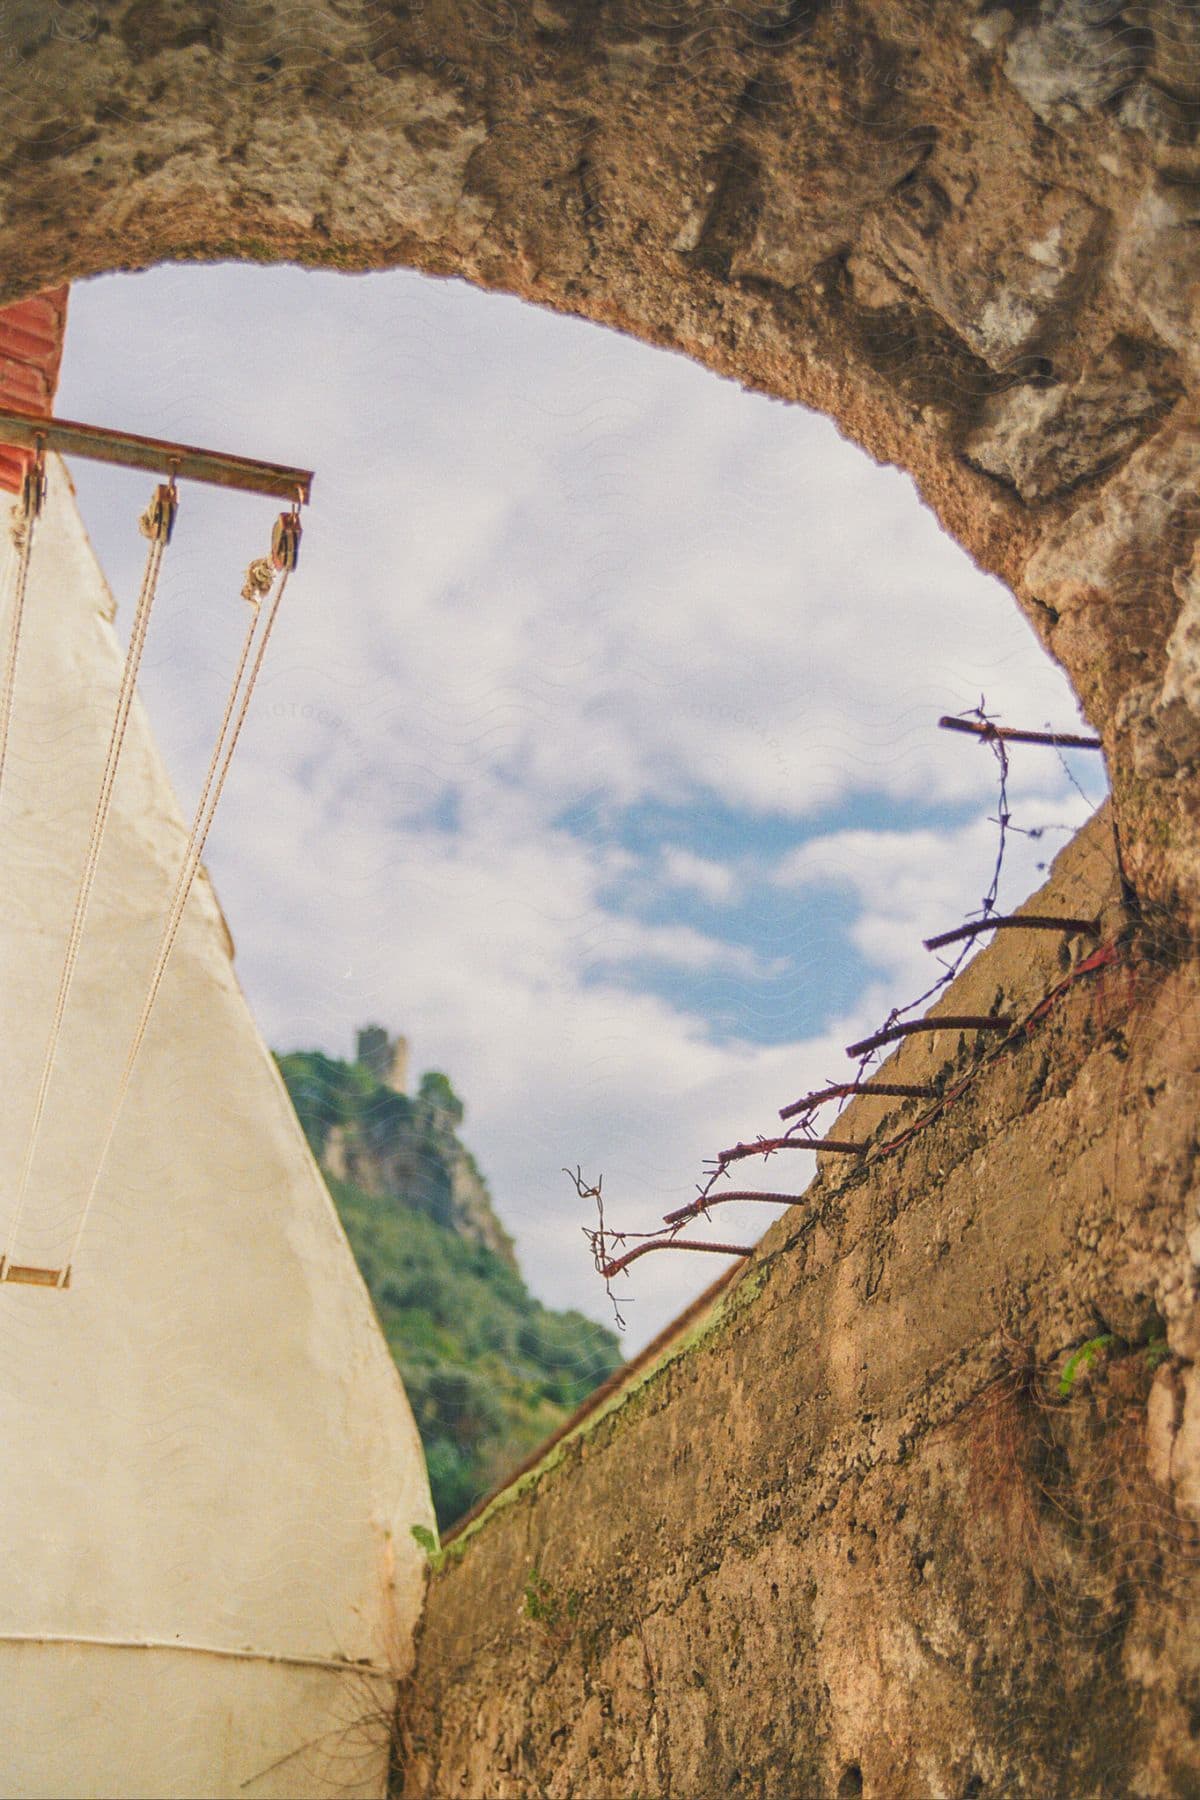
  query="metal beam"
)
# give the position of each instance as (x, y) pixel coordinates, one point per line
(129, 451)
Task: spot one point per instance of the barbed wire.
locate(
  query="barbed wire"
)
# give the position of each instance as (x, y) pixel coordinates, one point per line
(614, 1250)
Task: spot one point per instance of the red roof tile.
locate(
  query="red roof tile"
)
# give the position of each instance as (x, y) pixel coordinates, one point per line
(31, 341)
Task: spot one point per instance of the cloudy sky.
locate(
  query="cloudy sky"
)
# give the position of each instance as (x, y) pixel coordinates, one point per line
(597, 746)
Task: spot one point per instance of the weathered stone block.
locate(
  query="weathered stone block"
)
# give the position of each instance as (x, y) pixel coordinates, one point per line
(1048, 439)
(1171, 34)
(1001, 270)
(1156, 267)
(812, 206)
(1073, 56)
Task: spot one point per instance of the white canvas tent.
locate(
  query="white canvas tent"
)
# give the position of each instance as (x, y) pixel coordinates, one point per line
(210, 1469)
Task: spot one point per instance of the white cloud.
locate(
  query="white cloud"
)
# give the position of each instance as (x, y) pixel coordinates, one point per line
(545, 563)
(713, 881)
(910, 885)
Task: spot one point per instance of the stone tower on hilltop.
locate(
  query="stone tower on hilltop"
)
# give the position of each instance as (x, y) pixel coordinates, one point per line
(386, 1058)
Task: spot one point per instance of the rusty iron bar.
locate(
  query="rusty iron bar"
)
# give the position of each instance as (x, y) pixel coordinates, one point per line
(948, 1022)
(1016, 922)
(127, 450)
(609, 1269)
(702, 1202)
(897, 1090)
(1070, 739)
(764, 1145)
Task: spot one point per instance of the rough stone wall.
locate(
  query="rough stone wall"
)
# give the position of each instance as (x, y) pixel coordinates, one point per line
(967, 231)
(849, 1537)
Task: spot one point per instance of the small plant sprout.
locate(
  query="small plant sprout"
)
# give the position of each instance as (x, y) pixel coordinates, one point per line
(554, 1614)
(428, 1541)
(1081, 1359)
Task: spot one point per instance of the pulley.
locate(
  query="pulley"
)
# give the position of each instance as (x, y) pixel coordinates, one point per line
(285, 540)
(158, 521)
(33, 489)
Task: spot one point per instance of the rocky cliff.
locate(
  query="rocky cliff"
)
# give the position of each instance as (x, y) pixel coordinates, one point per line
(489, 1370)
(365, 1131)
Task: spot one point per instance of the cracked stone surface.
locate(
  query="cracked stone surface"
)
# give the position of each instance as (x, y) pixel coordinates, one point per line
(1046, 440)
(1000, 267)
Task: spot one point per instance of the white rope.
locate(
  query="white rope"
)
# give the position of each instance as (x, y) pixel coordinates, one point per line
(214, 783)
(137, 639)
(19, 548)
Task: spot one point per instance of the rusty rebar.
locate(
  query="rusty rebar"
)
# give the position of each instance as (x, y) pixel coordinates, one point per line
(1015, 922)
(1072, 740)
(948, 1022)
(702, 1202)
(609, 1269)
(898, 1090)
(765, 1145)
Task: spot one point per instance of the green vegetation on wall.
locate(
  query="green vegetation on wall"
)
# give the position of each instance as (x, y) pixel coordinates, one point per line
(490, 1371)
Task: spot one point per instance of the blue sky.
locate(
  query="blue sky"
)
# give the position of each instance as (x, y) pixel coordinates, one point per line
(597, 749)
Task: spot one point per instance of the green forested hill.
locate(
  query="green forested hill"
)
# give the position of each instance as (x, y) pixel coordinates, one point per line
(490, 1371)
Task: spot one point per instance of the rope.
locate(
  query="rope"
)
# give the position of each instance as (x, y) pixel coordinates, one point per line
(20, 542)
(155, 524)
(214, 783)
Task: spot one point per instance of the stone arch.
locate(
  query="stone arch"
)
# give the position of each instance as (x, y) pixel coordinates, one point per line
(966, 233)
